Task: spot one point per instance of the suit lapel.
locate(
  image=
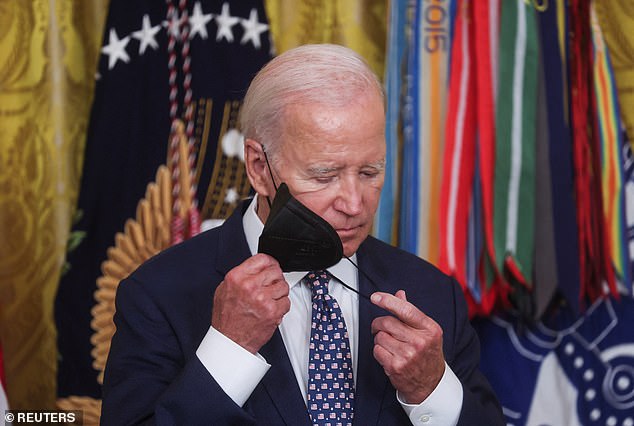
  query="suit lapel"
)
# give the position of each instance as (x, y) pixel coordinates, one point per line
(281, 385)
(232, 244)
(371, 379)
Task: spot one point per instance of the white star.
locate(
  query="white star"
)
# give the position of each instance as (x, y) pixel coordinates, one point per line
(232, 143)
(231, 196)
(225, 22)
(174, 25)
(146, 35)
(252, 29)
(116, 49)
(198, 22)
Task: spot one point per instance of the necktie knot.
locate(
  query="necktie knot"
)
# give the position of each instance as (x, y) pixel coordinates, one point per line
(318, 282)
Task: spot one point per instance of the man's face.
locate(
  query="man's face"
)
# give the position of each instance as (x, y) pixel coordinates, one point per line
(333, 161)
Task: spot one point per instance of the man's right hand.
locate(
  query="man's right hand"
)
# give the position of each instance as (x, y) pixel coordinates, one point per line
(250, 302)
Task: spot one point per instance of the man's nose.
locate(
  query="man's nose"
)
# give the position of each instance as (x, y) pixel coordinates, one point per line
(349, 198)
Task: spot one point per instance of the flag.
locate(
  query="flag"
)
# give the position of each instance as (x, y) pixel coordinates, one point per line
(565, 369)
(191, 60)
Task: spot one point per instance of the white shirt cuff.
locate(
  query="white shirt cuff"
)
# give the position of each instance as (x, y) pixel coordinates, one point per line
(442, 406)
(235, 369)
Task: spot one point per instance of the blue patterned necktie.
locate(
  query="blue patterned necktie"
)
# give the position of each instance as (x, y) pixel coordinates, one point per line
(330, 379)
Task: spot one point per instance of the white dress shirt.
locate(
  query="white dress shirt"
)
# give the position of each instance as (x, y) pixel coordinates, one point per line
(238, 372)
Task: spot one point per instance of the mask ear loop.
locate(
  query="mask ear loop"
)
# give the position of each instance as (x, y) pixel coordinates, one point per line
(268, 165)
(364, 274)
(354, 290)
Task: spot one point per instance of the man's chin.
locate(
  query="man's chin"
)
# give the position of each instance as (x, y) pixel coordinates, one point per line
(352, 239)
(351, 247)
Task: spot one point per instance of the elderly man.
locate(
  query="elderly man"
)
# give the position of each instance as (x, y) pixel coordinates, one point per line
(213, 332)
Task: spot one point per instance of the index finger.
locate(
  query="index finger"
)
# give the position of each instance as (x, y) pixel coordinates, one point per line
(402, 309)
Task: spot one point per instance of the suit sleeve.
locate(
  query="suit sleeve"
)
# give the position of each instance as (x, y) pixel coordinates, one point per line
(148, 380)
(480, 405)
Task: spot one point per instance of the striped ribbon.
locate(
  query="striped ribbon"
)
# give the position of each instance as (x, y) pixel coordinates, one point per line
(608, 120)
(475, 244)
(486, 39)
(515, 142)
(486, 36)
(385, 222)
(459, 152)
(594, 260)
(409, 185)
(433, 25)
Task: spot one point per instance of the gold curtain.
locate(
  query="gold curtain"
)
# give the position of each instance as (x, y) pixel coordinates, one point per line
(48, 55)
(616, 18)
(358, 24)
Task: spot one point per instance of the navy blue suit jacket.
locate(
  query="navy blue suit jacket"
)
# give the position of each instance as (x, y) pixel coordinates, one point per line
(164, 310)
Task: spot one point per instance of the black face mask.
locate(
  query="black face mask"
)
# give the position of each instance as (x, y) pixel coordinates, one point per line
(297, 237)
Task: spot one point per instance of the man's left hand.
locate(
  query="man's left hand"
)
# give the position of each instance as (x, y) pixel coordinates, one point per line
(409, 347)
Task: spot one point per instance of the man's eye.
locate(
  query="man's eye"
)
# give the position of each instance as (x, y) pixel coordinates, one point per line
(370, 174)
(324, 179)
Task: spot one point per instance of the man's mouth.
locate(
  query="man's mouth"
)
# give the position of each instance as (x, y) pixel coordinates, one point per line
(346, 232)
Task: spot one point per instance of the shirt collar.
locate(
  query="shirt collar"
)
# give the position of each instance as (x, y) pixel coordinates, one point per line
(344, 271)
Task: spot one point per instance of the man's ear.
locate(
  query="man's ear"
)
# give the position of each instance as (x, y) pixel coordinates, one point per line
(257, 171)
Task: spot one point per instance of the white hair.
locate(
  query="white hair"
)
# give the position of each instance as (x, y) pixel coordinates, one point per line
(325, 74)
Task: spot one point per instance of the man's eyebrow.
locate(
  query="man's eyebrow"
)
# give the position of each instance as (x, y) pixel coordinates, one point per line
(379, 165)
(322, 170)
